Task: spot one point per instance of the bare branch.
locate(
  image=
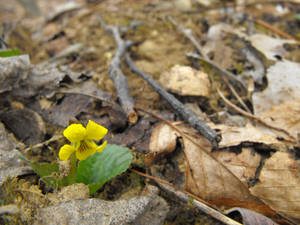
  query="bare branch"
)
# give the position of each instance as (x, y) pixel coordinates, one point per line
(189, 197)
(187, 114)
(203, 56)
(116, 74)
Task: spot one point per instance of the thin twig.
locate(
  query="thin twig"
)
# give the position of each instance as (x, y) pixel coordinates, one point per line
(88, 95)
(236, 95)
(226, 74)
(275, 30)
(218, 69)
(186, 113)
(54, 138)
(203, 56)
(189, 197)
(116, 74)
(188, 34)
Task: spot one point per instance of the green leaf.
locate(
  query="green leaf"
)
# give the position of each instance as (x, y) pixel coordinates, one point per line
(9, 52)
(99, 168)
(47, 171)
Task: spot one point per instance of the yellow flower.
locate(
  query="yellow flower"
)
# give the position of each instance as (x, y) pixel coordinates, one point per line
(82, 140)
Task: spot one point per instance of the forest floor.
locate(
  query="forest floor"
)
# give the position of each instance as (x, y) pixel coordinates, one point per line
(227, 137)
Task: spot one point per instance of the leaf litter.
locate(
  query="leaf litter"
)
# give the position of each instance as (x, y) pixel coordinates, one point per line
(254, 167)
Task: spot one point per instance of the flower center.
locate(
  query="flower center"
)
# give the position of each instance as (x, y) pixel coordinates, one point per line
(83, 146)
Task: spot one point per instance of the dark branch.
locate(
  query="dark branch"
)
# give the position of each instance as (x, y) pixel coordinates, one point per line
(186, 113)
(116, 74)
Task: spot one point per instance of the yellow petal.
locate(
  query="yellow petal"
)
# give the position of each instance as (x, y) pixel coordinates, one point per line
(65, 152)
(101, 147)
(86, 149)
(75, 132)
(95, 131)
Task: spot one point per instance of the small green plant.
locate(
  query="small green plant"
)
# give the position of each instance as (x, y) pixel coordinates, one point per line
(9, 52)
(88, 163)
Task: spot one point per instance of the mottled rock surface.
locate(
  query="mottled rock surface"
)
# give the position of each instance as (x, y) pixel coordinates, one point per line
(150, 210)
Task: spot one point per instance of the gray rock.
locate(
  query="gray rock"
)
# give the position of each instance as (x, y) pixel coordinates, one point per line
(138, 210)
(155, 214)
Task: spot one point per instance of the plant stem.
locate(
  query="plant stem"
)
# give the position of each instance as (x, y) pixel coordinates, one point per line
(73, 170)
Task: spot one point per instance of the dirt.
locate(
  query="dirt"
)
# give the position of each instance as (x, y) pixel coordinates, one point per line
(158, 46)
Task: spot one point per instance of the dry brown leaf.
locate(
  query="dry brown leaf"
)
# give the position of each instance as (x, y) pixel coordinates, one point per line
(186, 81)
(224, 176)
(270, 47)
(279, 185)
(243, 164)
(251, 218)
(70, 107)
(162, 141)
(207, 178)
(285, 116)
(233, 136)
(223, 55)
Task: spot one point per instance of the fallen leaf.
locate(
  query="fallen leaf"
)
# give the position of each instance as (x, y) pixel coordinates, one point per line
(283, 84)
(136, 137)
(234, 136)
(89, 87)
(279, 185)
(24, 80)
(243, 164)
(221, 177)
(67, 109)
(162, 142)
(13, 70)
(208, 178)
(250, 217)
(284, 116)
(270, 47)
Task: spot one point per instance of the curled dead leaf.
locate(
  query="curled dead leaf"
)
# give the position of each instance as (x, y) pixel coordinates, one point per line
(250, 217)
(162, 142)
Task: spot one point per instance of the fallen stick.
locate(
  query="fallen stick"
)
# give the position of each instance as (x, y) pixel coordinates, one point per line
(275, 30)
(203, 56)
(116, 74)
(188, 34)
(189, 197)
(187, 114)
